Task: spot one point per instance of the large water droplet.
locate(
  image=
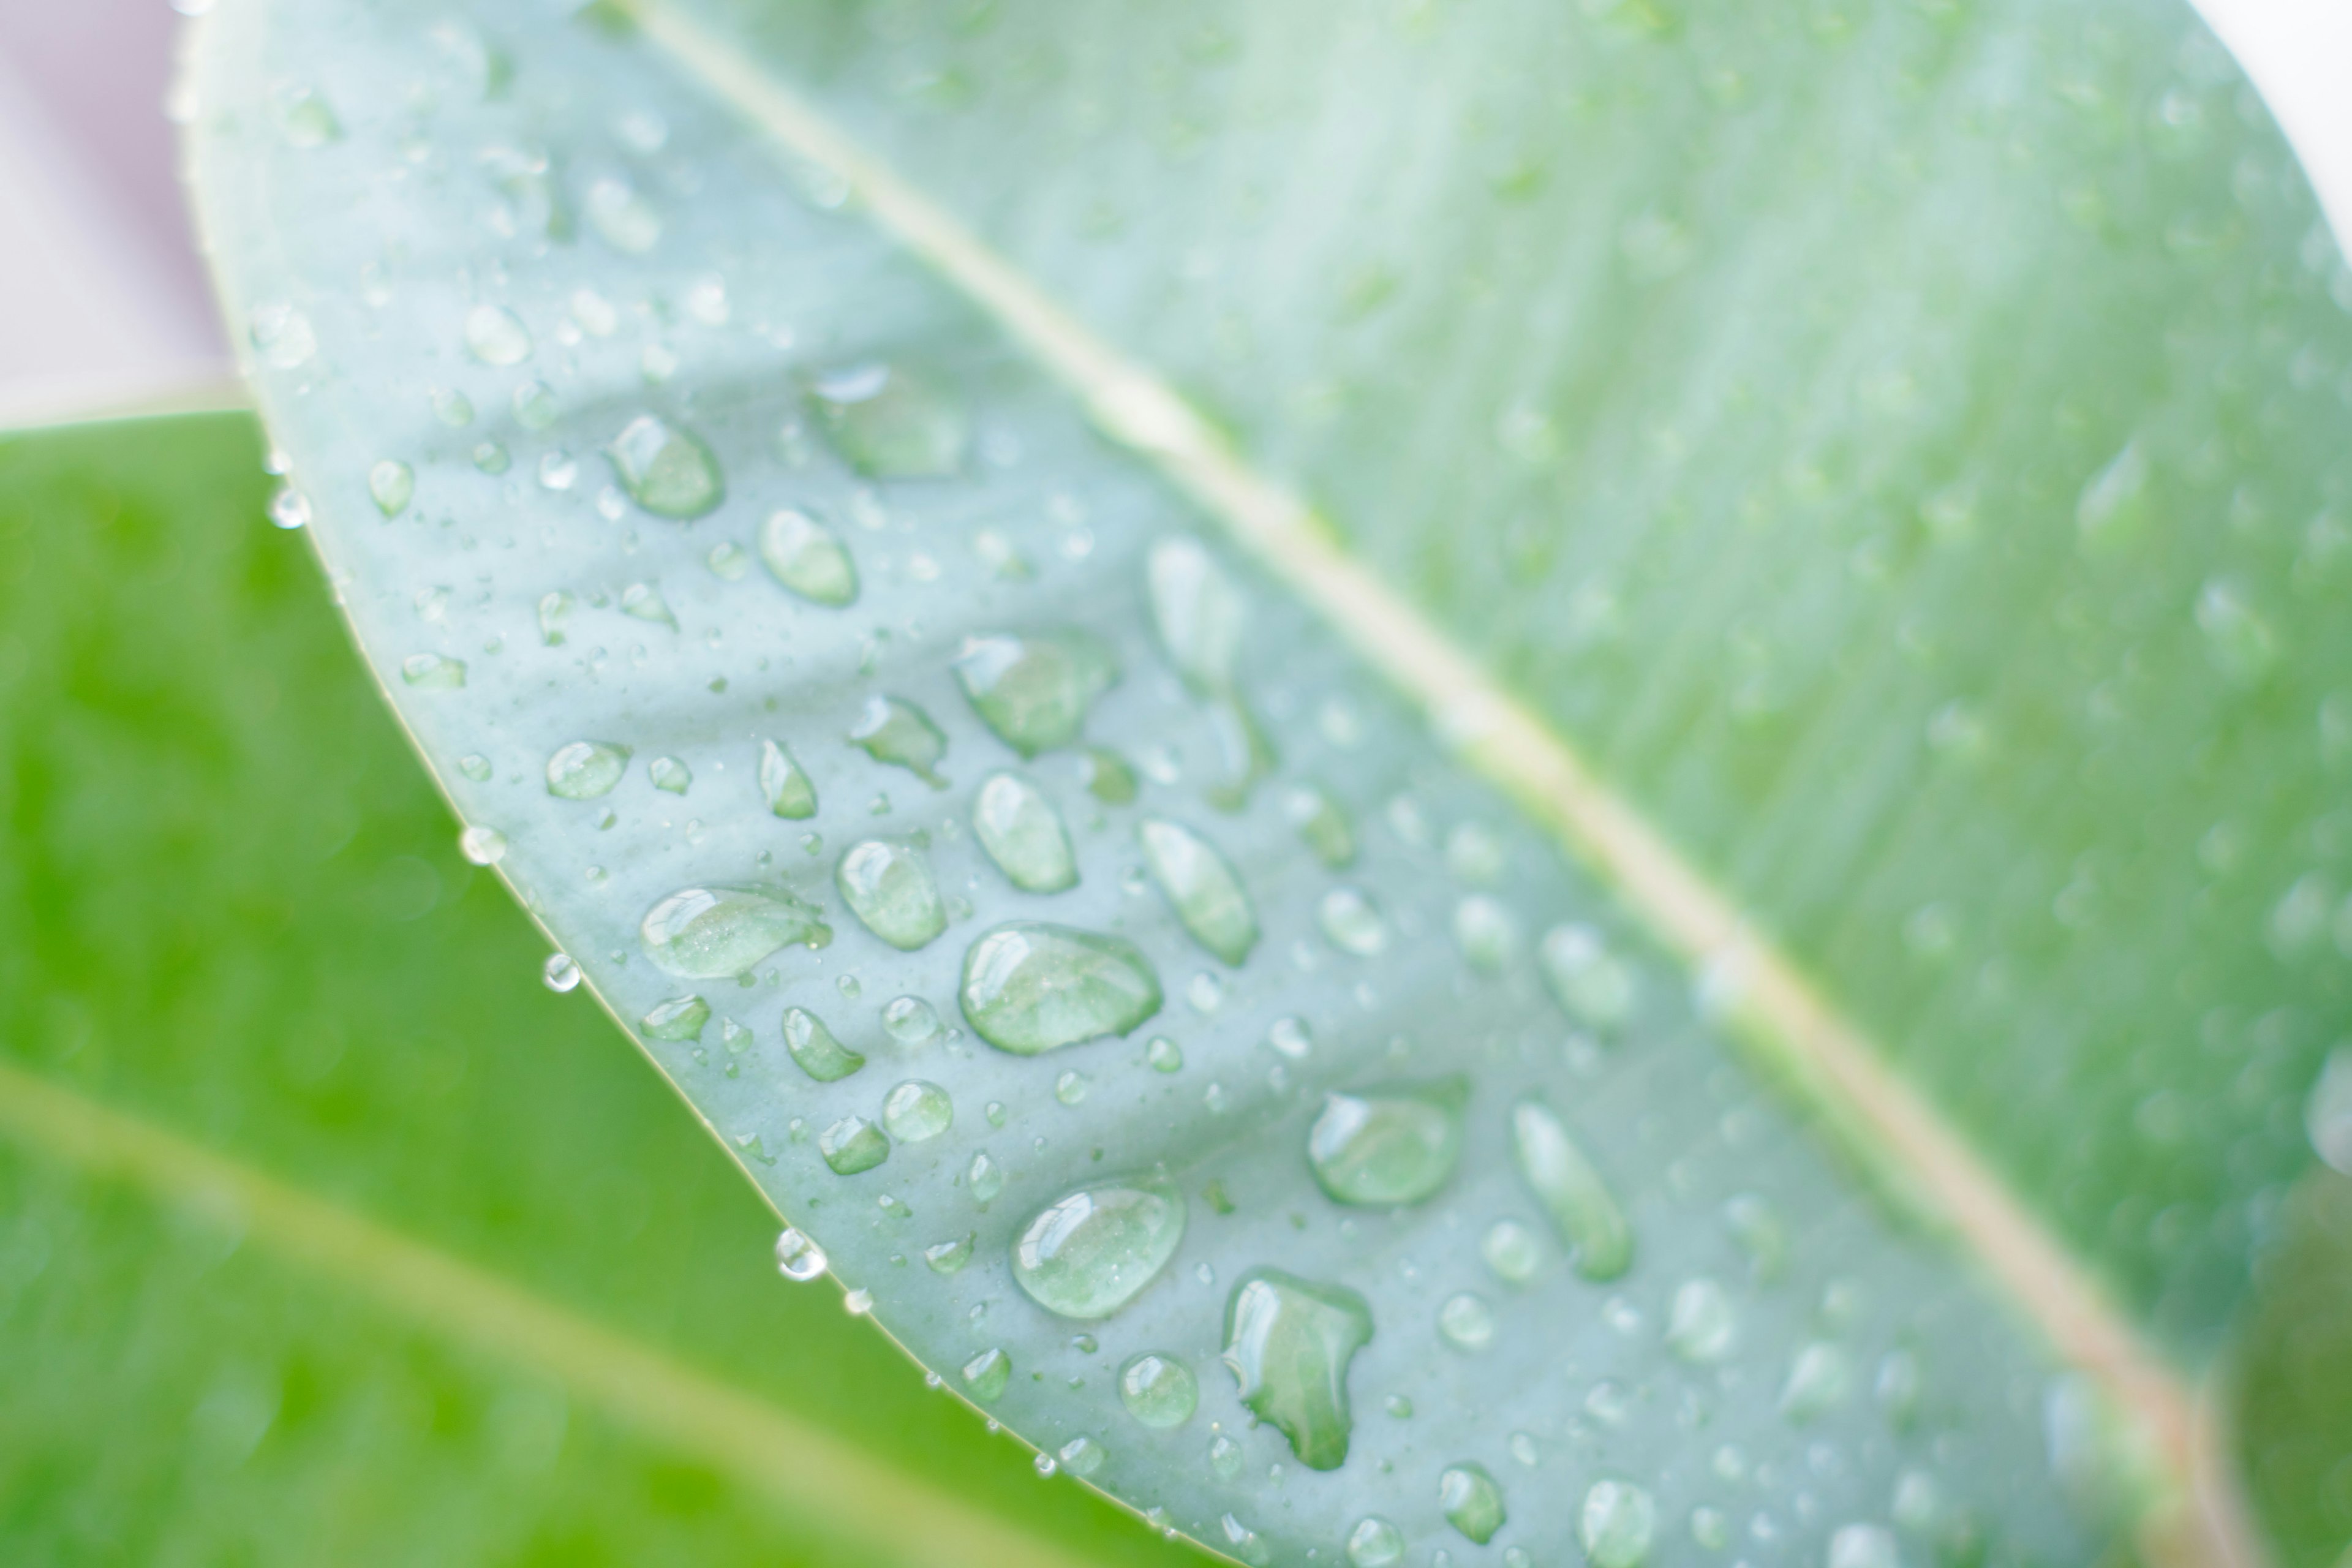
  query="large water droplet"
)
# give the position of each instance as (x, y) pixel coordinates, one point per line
(1088, 1254)
(1591, 985)
(1352, 922)
(889, 887)
(822, 1057)
(1023, 832)
(987, 1375)
(1288, 1341)
(1202, 887)
(666, 468)
(583, 770)
(916, 1110)
(808, 557)
(680, 1018)
(712, 933)
(1617, 1524)
(1198, 612)
(888, 423)
(853, 1144)
(1571, 1192)
(1034, 691)
(1390, 1145)
(1159, 1389)
(496, 335)
(798, 1257)
(784, 784)
(1030, 987)
(1375, 1543)
(894, 732)
(1700, 1325)
(1472, 1501)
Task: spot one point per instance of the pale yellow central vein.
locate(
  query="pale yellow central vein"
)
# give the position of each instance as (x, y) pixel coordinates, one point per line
(1776, 1008)
(816, 1475)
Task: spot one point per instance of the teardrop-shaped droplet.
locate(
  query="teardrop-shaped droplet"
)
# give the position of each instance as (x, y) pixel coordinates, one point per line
(888, 423)
(1375, 1543)
(1352, 922)
(1322, 823)
(784, 784)
(1700, 1324)
(1288, 1343)
(1201, 887)
(808, 557)
(1572, 1193)
(853, 1144)
(1023, 832)
(680, 1018)
(1034, 691)
(813, 1045)
(712, 933)
(496, 335)
(1159, 1391)
(666, 468)
(1591, 985)
(798, 1257)
(283, 335)
(482, 845)
(391, 484)
(1081, 1457)
(1472, 1501)
(670, 774)
(1087, 1255)
(1198, 612)
(985, 1179)
(1030, 987)
(643, 602)
(889, 887)
(583, 770)
(897, 732)
(1106, 777)
(949, 1256)
(1820, 1380)
(1164, 1055)
(555, 613)
(916, 1110)
(1387, 1146)
(1486, 932)
(987, 1375)
(1617, 1524)
(432, 672)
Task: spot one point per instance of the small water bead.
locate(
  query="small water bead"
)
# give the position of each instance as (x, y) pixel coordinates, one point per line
(454, 409)
(894, 732)
(670, 774)
(1321, 824)
(475, 766)
(1290, 1037)
(1608, 1403)
(560, 973)
(808, 557)
(535, 407)
(1389, 1146)
(1082, 1456)
(1158, 1391)
(985, 1179)
(643, 602)
(888, 423)
(1035, 690)
(1375, 1543)
(1759, 1233)
(621, 218)
(1107, 775)
(290, 508)
(1200, 885)
(858, 1303)
(1617, 1525)
(1206, 992)
(1523, 1449)
(814, 1046)
(1288, 1343)
(785, 784)
(1089, 1253)
(728, 562)
(890, 889)
(554, 612)
(2238, 642)
(910, 1021)
(491, 458)
(1245, 1542)
(987, 1375)
(1475, 854)
(1701, 1323)
(1198, 612)
(949, 1256)
(1030, 987)
(853, 1144)
(1863, 1546)
(1591, 985)
(1224, 1457)
(1045, 1466)
(482, 845)
(798, 1257)
(1486, 932)
(391, 484)
(283, 335)
(1352, 922)
(1071, 1086)
(1898, 1386)
(1512, 1250)
(1580, 1204)
(432, 672)
(1710, 1529)
(1024, 835)
(1820, 1380)
(666, 468)
(1466, 1322)
(1472, 1501)
(1164, 1055)
(1918, 1505)
(713, 933)
(496, 335)
(680, 1018)
(917, 1111)
(557, 472)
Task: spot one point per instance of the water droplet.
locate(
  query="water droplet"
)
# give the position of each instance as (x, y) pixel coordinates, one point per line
(1201, 887)
(1206, 992)
(916, 1110)
(1352, 922)
(985, 1179)
(949, 1256)
(1571, 1192)
(670, 774)
(712, 933)
(1486, 933)
(475, 766)
(728, 562)
(290, 508)
(1158, 1391)
(986, 1375)
(1088, 1254)
(1164, 1055)
(910, 1021)
(2238, 641)
(1820, 1379)
(621, 218)
(784, 784)
(1081, 1457)
(1321, 824)
(534, 405)
(454, 409)
(858, 1303)
(282, 336)
(1030, 987)
(1072, 1086)
(482, 845)
(1288, 1343)
(560, 973)
(1224, 1457)
(391, 484)
(1388, 1146)
(1291, 1038)
(1591, 985)
(1472, 1501)
(1475, 854)
(666, 468)
(798, 1257)
(1107, 775)
(491, 458)
(1759, 1234)
(1863, 1546)
(680, 1018)
(890, 888)
(897, 732)
(1245, 1542)
(853, 1144)
(432, 673)
(1512, 1250)
(888, 423)
(1023, 832)
(813, 1045)
(643, 602)
(2109, 511)
(808, 557)
(1466, 1322)
(1710, 1529)
(496, 335)
(1035, 691)
(1617, 1524)
(1375, 1543)
(1700, 1325)
(1198, 612)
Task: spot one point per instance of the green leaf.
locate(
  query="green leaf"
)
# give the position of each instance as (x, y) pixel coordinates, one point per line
(1863, 483)
(327, 1232)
